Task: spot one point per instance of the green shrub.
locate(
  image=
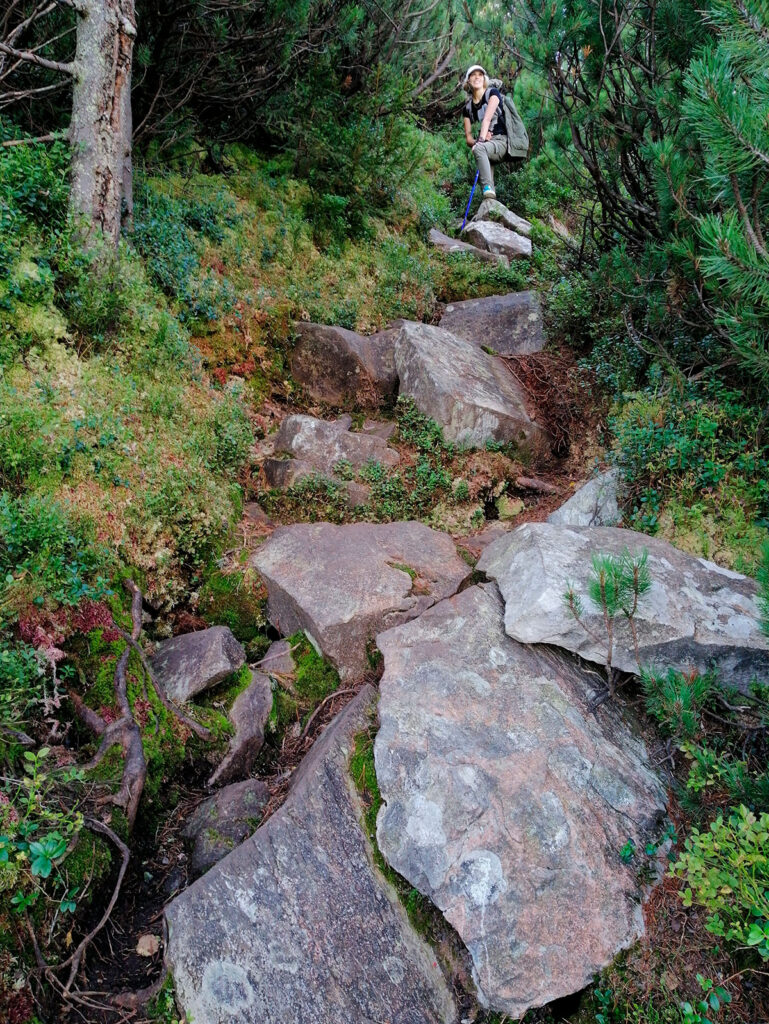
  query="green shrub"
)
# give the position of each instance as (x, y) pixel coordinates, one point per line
(726, 870)
(570, 308)
(677, 699)
(232, 436)
(88, 290)
(24, 449)
(196, 508)
(34, 187)
(169, 233)
(462, 275)
(36, 834)
(21, 671)
(46, 556)
(763, 583)
(690, 443)
(721, 772)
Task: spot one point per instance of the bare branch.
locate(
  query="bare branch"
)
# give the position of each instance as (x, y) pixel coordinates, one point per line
(32, 58)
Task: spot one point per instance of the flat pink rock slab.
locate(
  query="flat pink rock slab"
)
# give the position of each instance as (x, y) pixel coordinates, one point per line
(507, 802)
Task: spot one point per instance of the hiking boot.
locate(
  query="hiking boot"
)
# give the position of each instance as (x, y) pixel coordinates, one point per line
(488, 192)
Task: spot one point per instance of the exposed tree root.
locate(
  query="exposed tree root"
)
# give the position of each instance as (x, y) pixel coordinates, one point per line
(74, 961)
(138, 1000)
(124, 732)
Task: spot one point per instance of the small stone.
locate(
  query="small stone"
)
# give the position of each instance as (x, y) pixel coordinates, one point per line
(193, 662)
(505, 801)
(452, 245)
(148, 945)
(488, 235)
(324, 444)
(695, 615)
(492, 209)
(223, 821)
(278, 661)
(594, 504)
(284, 473)
(343, 584)
(297, 924)
(472, 395)
(249, 714)
(338, 366)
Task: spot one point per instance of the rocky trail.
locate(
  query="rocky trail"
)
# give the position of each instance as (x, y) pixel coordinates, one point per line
(501, 786)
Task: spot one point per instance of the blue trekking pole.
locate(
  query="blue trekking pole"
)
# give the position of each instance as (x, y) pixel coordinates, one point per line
(469, 201)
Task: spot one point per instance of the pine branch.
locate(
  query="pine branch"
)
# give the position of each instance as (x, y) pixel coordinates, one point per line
(754, 240)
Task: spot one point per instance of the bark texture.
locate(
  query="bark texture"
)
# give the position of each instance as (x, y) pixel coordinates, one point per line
(101, 122)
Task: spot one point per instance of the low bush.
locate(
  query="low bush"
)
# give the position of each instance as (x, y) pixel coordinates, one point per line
(21, 672)
(726, 870)
(46, 556)
(170, 232)
(677, 699)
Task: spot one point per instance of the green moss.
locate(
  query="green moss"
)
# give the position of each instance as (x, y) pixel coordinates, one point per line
(215, 838)
(315, 677)
(162, 1009)
(423, 915)
(412, 573)
(90, 859)
(224, 695)
(236, 600)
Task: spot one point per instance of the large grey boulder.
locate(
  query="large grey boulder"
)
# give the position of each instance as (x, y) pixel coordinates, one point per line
(248, 714)
(340, 367)
(492, 209)
(507, 802)
(452, 245)
(193, 662)
(345, 584)
(509, 324)
(594, 504)
(223, 821)
(471, 394)
(297, 924)
(323, 443)
(695, 615)
(496, 238)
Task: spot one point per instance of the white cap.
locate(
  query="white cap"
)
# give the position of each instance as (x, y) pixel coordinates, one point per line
(474, 67)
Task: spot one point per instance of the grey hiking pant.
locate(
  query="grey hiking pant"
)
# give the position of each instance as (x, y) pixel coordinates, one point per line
(488, 153)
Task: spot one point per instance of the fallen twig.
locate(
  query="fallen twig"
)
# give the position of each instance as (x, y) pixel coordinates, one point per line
(319, 708)
(74, 960)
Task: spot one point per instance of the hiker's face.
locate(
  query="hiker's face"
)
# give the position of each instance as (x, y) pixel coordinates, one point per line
(476, 80)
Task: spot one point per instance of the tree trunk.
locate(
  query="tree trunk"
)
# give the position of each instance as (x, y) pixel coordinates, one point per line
(101, 103)
(127, 128)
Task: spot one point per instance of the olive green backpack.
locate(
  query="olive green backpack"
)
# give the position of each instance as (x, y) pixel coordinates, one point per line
(517, 136)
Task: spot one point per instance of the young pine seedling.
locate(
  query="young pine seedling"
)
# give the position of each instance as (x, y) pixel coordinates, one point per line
(616, 584)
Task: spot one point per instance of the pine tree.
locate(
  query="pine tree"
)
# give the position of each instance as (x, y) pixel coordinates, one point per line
(716, 168)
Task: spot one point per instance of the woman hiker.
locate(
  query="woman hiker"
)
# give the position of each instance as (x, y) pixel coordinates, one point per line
(485, 105)
(492, 145)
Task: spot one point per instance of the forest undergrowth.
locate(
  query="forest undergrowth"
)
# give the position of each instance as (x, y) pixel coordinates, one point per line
(131, 397)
